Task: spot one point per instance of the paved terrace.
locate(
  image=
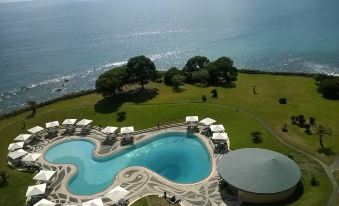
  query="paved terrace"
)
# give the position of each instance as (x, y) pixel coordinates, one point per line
(138, 180)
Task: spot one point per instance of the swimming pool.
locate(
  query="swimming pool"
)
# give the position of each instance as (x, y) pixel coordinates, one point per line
(177, 156)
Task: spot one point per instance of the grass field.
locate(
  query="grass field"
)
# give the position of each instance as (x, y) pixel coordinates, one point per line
(168, 106)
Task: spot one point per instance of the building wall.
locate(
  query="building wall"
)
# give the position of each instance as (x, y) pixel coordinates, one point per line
(244, 196)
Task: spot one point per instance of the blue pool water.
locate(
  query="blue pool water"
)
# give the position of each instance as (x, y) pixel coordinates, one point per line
(177, 156)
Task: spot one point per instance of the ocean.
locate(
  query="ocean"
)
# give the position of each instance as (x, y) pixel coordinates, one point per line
(49, 48)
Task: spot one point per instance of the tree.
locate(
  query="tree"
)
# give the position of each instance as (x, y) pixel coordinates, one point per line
(196, 63)
(111, 81)
(200, 76)
(321, 131)
(177, 80)
(226, 69)
(32, 105)
(170, 73)
(329, 88)
(140, 69)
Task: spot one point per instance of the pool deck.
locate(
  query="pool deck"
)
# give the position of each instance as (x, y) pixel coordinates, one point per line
(139, 181)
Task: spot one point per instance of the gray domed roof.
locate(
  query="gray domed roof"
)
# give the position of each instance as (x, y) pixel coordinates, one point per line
(259, 170)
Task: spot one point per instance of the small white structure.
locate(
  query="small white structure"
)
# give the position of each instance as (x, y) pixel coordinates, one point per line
(15, 146)
(95, 202)
(109, 129)
(69, 121)
(84, 122)
(16, 154)
(22, 137)
(190, 119)
(44, 175)
(35, 129)
(44, 202)
(31, 157)
(117, 194)
(36, 190)
(126, 130)
(220, 136)
(217, 128)
(207, 121)
(52, 124)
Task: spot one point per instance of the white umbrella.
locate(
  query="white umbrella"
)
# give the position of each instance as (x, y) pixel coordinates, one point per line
(44, 175)
(126, 130)
(84, 122)
(109, 129)
(117, 194)
(44, 202)
(192, 118)
(95, 202)
(35, 129)
(31, 157)
(69, 121)
(36, 190)
(52, 124)
(217, 128)
(16, 154)
(207, 121)
(220, 136)
(16, 145)
(22, 137)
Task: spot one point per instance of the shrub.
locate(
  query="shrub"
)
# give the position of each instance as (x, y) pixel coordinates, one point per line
(200, 76)
(204, 98)
(121, 116)
(3, 177)
(312, 121)
(214, 93)
(284, 128)
(283, 101)
(256, 137)
(169, 74)
(177, 80)
(314, 181)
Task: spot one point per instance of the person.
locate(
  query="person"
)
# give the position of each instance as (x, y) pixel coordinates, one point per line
(253, 89)
(100, 126)
(23, 125)
(158, 126)
(165, 195)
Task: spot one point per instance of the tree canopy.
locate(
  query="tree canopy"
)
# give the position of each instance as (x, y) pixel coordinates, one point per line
(196, 63)
(111, 81)
(329, 88)
(140, 69)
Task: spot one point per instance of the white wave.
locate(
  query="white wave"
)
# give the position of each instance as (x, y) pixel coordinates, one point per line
(150, 33)
(322, 68)
(115, 64)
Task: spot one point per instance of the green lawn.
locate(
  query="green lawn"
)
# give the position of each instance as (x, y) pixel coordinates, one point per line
(172, 106)
(152, 200)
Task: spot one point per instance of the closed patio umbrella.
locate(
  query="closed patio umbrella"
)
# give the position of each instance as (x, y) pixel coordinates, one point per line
(36, 190)
(16, 145)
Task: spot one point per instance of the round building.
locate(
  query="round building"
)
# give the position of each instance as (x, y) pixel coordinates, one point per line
(259, 175)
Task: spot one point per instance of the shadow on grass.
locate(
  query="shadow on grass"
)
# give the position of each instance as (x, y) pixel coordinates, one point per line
(293, 198)
(178, 89)
(111, 104)
(326, 151)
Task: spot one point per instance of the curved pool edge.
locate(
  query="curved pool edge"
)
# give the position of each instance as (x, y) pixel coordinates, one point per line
(148, 137)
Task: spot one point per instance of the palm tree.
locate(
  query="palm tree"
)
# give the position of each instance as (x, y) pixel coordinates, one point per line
(321, 131)
(32, 105)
